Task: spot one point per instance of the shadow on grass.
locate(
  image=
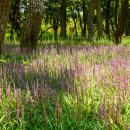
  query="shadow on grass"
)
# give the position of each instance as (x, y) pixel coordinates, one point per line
(60, 90)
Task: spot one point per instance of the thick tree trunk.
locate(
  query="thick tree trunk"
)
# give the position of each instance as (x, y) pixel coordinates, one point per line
(32, 25)
(4, 12)
(91, 9)
(122, 21)
(99, 19)
(14, 18)
(63, 18)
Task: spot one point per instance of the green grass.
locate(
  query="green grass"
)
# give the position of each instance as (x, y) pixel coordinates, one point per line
(79, 88)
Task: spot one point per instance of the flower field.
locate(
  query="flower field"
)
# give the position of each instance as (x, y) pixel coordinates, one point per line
(65, 88)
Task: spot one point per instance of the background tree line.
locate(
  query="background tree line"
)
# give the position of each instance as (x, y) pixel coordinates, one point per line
(90, 19)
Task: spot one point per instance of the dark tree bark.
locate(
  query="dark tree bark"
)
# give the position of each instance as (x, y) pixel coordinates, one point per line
(128, 29)
(32, 25)
(63, 18)
(122, 21)
(127, 32)
(4, 12)
(116, 12)
(55, 28)
(107, 18)
(75, 28)
(90, 24)
(84, 19)
(14, 17)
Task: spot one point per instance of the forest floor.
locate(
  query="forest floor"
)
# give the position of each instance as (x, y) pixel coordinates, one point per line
(65, 88)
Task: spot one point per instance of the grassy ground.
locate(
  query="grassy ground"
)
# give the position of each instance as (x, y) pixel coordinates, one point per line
(65, 88)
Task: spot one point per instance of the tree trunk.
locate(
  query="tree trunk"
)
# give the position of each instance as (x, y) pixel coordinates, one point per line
(128, 25)
(55, 28)
(14, 18)
(32, 25)
(99, 19)
(127, 30)
(63, 18)
(4, 12)
(116, 12)
(107, 18)
(91, 9)
(122, 21)
(75, 28)
(84, 19)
